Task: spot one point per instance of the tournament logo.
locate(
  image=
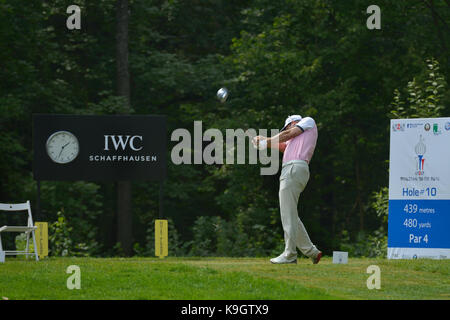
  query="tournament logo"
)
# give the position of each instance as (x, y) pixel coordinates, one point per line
(427, 127)
(420, 150)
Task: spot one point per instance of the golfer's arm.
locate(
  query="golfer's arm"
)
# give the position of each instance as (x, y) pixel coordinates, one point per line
(280, 146)
(281, 138)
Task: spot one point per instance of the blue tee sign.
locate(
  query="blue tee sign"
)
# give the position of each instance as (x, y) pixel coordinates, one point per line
(419, 189)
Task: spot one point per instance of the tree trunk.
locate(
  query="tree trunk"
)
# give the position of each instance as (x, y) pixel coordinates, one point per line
(359, 196)
(359, 206)
(436, 17)
(124, 214)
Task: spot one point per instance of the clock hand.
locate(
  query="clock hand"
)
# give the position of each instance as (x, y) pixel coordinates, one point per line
(62, 148)
(60, 152)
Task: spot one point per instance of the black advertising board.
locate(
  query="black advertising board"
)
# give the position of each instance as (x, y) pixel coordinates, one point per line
(99, 148)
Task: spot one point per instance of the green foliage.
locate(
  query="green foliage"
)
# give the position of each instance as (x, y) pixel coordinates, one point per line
(371, 245)
(424, 99)
(109, 105)
(117, 250)
(21, 244)
(365, 245)
(79, 206)
(61, 239)
(60, 243)
(215, 236)
(204, 242)
(380, 203)
(374, 244)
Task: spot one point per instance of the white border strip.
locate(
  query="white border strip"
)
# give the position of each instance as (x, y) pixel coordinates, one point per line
(418, 253)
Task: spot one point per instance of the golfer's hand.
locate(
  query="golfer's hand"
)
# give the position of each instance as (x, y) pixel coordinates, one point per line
(259, 138)
(257, 142)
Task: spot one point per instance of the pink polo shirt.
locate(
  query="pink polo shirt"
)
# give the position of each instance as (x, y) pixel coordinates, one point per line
(302, 146)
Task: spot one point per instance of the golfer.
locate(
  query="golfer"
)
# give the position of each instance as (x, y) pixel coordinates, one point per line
(297, 140)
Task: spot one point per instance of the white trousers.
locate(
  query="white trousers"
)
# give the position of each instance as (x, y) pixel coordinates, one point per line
(293, 179)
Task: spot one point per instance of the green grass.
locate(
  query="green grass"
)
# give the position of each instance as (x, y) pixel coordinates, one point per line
(223, 278)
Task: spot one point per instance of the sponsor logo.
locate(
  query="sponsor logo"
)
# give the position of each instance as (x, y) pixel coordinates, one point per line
(122, 142)
(427, 127)
(447, 126)
(398, 127)
(414, 125)
(436, 130)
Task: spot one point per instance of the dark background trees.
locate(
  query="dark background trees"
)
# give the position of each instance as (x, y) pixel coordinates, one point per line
(307, 57)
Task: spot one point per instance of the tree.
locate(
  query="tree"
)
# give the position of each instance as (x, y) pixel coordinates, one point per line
(124, 211)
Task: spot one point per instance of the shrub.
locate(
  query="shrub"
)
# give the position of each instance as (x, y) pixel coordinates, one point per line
(61, 239)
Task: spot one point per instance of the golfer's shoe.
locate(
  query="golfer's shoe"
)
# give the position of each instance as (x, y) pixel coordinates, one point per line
(316, 259)
(283, 260)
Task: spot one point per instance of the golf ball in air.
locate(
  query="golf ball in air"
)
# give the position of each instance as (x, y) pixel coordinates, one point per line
(222, 94)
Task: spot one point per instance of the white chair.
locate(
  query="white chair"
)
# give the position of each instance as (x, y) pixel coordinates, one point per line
(29, 228)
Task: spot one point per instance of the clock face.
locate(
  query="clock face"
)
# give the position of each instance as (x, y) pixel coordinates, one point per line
(62, 147)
